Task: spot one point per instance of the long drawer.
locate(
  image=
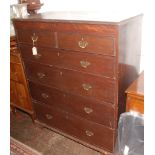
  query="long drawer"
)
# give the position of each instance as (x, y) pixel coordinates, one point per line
(91, 110)
(85, 62)
(99, 88)
(77, 127)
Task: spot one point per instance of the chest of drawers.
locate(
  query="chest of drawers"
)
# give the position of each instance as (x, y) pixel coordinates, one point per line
(19, 94)
(78, 77)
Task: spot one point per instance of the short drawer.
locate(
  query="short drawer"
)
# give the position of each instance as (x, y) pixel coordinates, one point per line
(85, 62)
(84, 107)
(77, 127)
(38, 33)
(87, 43)
(40, 38)
(99, 88)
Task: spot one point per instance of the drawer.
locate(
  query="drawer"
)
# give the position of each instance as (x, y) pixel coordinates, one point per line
(99, 88)
(16, 72)
(40, 33)
(77, 127)
(85, 62)
(15, 58)
(87, 43)
(86, 108)
(41, 38)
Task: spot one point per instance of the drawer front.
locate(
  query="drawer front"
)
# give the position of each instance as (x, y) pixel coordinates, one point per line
(16, 72)
(14, 58)
(74, 104)
(87, 131)
(87, 43)
(85, 62)
(102, 89)
(37, 37)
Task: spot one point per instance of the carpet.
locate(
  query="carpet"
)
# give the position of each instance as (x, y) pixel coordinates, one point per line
(44, 140)
(18, 148)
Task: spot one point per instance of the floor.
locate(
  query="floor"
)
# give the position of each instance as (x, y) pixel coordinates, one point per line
(44, 140)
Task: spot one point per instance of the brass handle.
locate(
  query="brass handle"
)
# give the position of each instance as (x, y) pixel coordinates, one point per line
(40, 75)
(86, 86)
(82, 43)
(48, 116)
(88, 110)
(84, 64)
(89, 133)
(45, 96)
(34, 38)
(37, 56)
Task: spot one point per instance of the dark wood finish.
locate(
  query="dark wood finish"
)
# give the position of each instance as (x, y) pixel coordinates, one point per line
(98, 64)
(101, 88)
(135, 95)
(46, 37)
(19, 94)
(63, 86)
(95, 111)
(96, 44)
(90, 132)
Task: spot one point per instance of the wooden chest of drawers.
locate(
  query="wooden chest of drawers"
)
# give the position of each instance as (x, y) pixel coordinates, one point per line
(78, 77)
(19, 94)
(135, 95)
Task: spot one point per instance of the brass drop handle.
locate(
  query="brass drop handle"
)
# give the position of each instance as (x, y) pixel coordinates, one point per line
(86, 86)
(34, 38)
(44, 95)
(89, 133)
(37, 56)
(41, 75)
(82, 43)
(84, 64)
(88, 110)
(48, 116)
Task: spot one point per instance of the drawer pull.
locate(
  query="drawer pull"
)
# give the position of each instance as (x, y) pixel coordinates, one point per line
(37, 56)
(89, 133)
(88, 110)
(82, 43)
(41, 75)
(48, 116)
(84, 64)
(86, 86)
(45, 96)
(60, 73)
(34, 38)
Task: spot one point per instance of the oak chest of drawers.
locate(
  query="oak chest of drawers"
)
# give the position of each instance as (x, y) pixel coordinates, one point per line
(78, 73)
